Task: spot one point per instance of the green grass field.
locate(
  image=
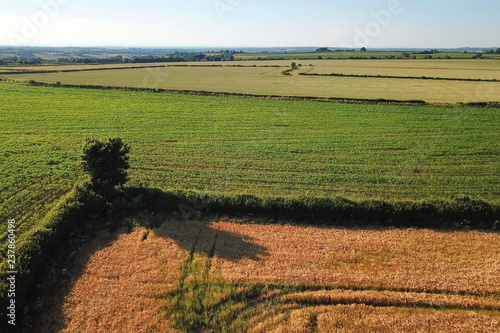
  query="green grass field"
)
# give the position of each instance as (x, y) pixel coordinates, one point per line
(244, 145)
(228, 77)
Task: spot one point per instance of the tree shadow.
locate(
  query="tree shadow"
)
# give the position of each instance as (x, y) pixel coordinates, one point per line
(194, 236)
(46, 313)
(203, 237)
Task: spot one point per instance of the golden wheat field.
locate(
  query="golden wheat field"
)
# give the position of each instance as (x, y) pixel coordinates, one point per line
(256, 77)
(408, 259)
(41, 68)
(309, 279)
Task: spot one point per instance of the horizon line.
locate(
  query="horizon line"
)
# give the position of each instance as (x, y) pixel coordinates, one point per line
(234, 47)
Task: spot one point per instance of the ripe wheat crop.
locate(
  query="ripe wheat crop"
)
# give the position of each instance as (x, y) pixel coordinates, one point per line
(233, 276)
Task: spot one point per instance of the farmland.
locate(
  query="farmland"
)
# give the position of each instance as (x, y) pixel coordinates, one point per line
(264, 78)
(245, 145)
(463, 69)
(50, 67)
(341, 55)
(231, 275)
(249, 275)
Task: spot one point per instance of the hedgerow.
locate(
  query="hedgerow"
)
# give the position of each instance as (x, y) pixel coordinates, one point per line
(83, 206)
(456, 213)
(35, 248)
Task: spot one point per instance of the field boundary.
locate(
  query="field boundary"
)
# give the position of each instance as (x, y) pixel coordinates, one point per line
(217, 66)
(379, 101)
(398, 77)
(23, 71)
(36, 248)
(459, 213)
(365, 101)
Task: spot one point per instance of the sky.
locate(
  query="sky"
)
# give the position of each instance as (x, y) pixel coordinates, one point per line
(251, 23)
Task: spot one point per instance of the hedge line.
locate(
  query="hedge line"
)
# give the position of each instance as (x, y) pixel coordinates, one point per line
(459, 213)
(209, 65)
(399, 77)
(482, 104)
(228, 94)
(25, 71)
(35, 248)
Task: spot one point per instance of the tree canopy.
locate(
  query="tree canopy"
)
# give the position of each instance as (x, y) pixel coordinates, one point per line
(323, 49)
(106, 162)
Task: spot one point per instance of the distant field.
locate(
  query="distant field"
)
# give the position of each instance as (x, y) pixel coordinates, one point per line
(358, 54)
(240, 277)
(73, 67)
(244, 145)
(228, 77)
(463, 69)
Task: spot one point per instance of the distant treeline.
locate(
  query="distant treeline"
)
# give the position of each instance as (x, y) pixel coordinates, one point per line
(183, 57)
(223, 55)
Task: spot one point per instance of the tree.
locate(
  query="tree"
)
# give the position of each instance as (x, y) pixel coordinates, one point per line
(363, 49)
(106, 162)
(323, 49)
(497, 51)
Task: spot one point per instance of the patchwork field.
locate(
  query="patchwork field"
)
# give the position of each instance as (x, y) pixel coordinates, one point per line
(238, 277)
(245, 146)
(243, 77)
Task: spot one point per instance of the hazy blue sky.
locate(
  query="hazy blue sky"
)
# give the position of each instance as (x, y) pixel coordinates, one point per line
(345, 23)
